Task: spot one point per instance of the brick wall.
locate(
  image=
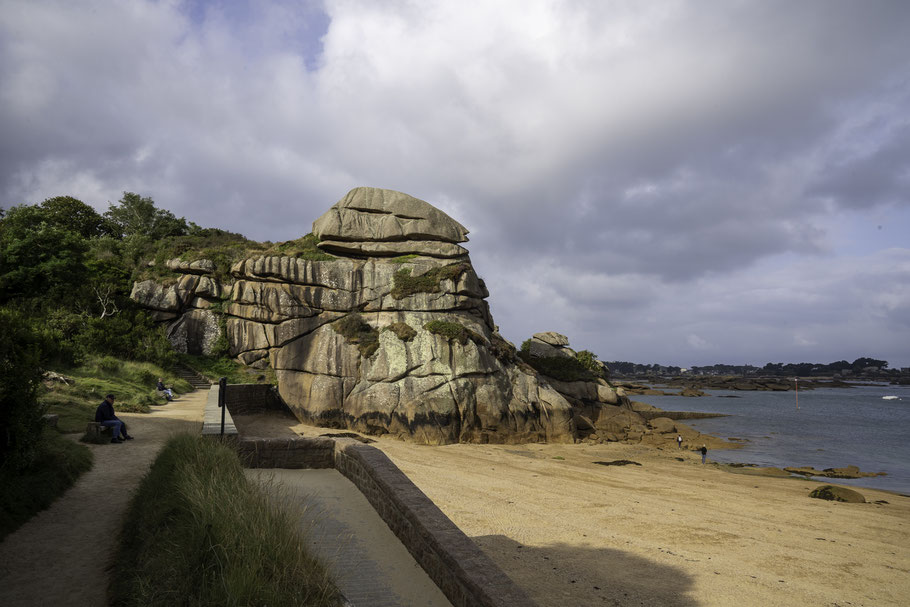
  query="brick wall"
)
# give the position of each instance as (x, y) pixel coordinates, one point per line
(287, 452)
(462, 571)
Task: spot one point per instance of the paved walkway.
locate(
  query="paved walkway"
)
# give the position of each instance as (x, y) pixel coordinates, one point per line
(370, 564)
(60, 557)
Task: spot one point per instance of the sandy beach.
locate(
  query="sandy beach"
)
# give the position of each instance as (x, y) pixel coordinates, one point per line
(668, 532)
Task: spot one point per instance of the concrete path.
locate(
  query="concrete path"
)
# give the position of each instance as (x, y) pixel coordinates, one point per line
(60, 557)
(370, 564)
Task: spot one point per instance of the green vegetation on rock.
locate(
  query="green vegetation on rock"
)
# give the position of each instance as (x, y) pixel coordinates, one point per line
(562, 368)
(402, 330)
(302, 248)
(428, 282)
(198, 532)
(356, 331)
(215, 367)
(454, 331)
(404, 258)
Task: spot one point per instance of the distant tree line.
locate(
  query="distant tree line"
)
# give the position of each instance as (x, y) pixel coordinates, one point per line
(842, 367)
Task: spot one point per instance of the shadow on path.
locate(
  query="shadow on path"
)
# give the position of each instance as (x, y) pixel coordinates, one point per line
(560, 575)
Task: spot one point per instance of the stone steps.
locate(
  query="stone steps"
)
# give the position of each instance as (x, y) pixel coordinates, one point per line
(197, 381)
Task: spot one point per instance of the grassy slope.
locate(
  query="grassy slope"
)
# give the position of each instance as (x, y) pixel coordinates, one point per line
(133, 383)
(199, 533)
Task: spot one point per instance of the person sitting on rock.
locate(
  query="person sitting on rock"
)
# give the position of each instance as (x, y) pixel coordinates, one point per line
(166, 391)
(105, 416)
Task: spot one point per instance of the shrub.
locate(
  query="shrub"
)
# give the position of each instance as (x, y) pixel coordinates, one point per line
(428, 282)
(302, 248)
(589, 361)
(562, 368)
(402, 330)
(453, 331)
(356, 331)
(197, 532)
(21, 421)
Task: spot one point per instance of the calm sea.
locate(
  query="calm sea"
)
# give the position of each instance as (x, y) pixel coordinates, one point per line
(833, 427)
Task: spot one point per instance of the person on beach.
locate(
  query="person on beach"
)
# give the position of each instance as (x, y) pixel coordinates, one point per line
(704, 453)
(679, 440)
(165, 390)
(105, 416)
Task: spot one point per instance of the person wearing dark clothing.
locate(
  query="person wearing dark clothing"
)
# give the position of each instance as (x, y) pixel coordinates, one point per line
(679, 440)
(105, 416)
(166, 391)
(704, 453)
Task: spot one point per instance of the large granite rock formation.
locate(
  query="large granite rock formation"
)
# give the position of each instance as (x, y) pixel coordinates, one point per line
(391, 335)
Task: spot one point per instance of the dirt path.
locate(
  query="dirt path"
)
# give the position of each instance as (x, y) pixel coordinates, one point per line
(60, 557)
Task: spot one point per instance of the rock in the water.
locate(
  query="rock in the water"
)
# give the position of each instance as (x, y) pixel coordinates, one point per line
(838, 494)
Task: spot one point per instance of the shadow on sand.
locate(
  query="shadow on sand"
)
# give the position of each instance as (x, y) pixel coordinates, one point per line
(560, 575)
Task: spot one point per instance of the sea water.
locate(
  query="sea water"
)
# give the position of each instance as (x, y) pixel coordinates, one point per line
(832, 428)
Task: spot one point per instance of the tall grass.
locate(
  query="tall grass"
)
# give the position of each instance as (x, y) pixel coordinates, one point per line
(57, 464)
(197, 532)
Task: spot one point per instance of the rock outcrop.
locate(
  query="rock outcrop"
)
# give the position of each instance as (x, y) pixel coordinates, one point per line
(391, 335)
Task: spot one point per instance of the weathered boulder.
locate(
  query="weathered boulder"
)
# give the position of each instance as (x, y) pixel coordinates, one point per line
(838, 494)
(200, 266)
(663, 425)
(373, 214)
(552, 338)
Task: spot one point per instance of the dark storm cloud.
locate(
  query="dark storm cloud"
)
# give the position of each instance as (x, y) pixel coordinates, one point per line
(626, 170)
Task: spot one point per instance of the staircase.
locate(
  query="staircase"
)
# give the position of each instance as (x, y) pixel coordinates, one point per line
(197, 381)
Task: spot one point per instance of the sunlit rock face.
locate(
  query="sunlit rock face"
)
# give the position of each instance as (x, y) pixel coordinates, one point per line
(391, 334)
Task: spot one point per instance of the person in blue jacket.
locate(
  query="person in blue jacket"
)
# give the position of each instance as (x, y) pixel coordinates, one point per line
(105, 416)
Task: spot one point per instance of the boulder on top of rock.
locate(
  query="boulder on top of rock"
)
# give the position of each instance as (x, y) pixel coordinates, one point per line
(373, 214)
(838, 494)
(552, 338)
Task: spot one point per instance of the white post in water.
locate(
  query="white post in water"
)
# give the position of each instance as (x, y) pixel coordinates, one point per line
(796, 383)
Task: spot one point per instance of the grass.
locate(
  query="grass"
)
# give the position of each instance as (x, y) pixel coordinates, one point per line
(132, 383)
(453, 331)
(561, 368)
(197, 532)
(302, 248)
(356, 331)
(404, 258)
(216, 367)
(58, 463)
(428, 282)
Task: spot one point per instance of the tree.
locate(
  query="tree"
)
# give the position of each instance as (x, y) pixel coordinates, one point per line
(138, 216)
(72, 214)
(20, 376)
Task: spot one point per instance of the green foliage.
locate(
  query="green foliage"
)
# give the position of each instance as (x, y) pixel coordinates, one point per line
(404, 258)
(502, 349)
(56, 465)
(356, 331)
(526, 347)
(303, 248)
(428, 282)
(20, 378)
(197, 532)
(402, 330)
(138, 216)
(588, 360)
(38, 257)
(73, 215)
(562, 368)
(454, 331)
(214, 367)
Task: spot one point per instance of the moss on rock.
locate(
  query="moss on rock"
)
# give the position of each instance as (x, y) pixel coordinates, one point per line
(402, 330)
(453, 331)
(428, 282)
(356, 331)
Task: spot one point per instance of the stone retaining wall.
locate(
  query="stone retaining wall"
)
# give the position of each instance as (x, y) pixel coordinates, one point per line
(243, 399)
(287, 452)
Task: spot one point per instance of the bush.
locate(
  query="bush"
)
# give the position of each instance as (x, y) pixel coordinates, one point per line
(197, 532)
(453, 331)
(428, 282)
(561, 368)
(21, 421)
(356, 331)
(401, 330)
(57, 464)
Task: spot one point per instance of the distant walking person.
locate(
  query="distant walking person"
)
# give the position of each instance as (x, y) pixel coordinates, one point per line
(679, 440)
(704, 453)
(105, 416)
(167, 391)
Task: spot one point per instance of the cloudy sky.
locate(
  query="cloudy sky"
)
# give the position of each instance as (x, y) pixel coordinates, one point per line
(674, 182)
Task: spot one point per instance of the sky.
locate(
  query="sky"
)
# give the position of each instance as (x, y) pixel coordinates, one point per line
(672, 182)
